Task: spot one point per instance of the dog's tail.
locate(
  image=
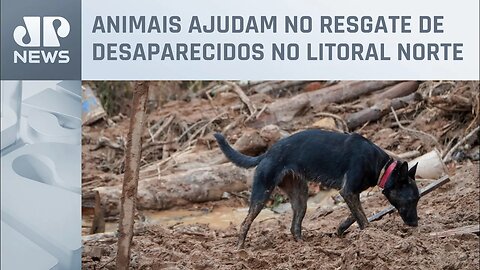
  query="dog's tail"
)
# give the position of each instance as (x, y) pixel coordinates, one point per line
(236, 157)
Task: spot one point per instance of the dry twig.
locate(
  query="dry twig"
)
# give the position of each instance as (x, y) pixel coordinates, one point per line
(165, 124)
(344, 123)
(202, 129)
(448, 155)
(414, 130)
(243, 97)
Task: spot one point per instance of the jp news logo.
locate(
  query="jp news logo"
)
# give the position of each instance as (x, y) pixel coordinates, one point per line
(40, 37)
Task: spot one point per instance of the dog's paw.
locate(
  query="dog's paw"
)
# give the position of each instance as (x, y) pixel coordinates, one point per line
(298, 238)
(341, 231)
(240, 245)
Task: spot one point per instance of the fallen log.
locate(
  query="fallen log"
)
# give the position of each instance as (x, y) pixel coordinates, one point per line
(193, 186)
(284, 110)
(398, 90)
(250, 143)
(380, 109)
(424, 191)
(345, 92)
(269, 87)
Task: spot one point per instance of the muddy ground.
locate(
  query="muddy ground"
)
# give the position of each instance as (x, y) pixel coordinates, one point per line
(385, 244)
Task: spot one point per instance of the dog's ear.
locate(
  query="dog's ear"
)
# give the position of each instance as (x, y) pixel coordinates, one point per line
(402, 173)
(413, 171)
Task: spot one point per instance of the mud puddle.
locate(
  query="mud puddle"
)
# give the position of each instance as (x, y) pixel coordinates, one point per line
(220, 217)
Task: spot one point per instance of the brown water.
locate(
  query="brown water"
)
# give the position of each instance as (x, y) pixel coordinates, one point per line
(222, 216)
(219, 218)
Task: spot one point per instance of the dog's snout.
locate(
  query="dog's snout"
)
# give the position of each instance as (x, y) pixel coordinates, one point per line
(411, 220)
(409, 217)
(412, 223)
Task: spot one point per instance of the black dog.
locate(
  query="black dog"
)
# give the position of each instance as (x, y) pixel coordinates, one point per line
(347, 162)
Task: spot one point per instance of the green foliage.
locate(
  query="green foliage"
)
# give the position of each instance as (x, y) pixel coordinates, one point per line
(277, 200)
(114, 95)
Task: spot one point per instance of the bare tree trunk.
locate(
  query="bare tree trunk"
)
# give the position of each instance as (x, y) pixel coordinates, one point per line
(130, 180)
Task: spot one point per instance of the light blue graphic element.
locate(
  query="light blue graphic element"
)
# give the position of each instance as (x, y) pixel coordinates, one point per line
(41, 177)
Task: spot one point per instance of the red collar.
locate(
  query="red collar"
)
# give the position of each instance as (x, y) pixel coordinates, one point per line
(383, 180)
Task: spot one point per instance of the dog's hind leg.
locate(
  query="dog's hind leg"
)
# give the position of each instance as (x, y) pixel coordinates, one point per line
(261, 190)
(253, 212)
(297, 191)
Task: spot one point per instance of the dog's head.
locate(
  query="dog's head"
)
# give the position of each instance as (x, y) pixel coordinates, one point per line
(402, 192)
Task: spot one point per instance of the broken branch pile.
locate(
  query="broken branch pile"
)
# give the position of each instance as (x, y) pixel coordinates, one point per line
(182, 164)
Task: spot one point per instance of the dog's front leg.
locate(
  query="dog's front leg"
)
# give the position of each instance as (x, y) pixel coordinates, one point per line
(342, 227)
(353, 202)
